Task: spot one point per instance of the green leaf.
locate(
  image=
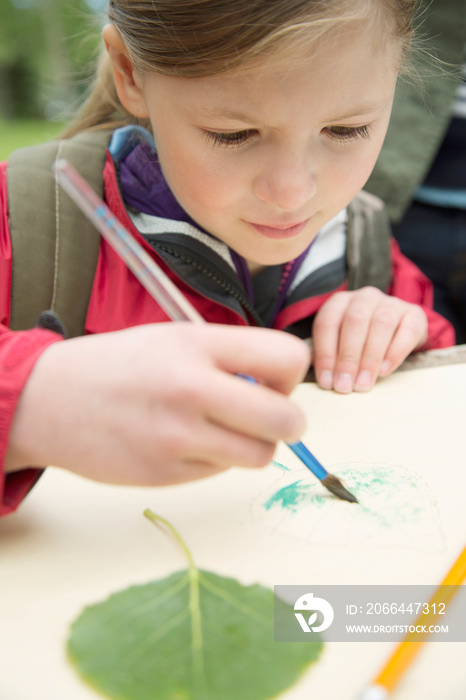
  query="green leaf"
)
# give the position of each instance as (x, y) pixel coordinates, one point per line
(191, 636)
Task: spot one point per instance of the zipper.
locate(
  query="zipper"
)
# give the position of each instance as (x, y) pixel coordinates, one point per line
(229, 287)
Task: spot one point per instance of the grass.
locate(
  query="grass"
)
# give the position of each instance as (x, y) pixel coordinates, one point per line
(16, 133)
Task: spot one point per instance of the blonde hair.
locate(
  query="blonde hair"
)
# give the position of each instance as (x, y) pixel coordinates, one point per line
(190, 38)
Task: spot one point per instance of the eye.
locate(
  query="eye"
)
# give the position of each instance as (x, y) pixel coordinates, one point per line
(235, 138)
(346, 133)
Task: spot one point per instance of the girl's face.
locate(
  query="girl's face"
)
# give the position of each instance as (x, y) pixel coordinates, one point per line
(263, 158)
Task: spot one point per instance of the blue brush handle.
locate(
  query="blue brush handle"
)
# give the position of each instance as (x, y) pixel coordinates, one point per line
(308, 459)
(300, 450)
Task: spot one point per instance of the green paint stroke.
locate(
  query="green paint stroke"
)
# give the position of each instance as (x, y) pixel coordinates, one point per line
(389, 494)
(289, 496)
(281, 466)
(292, 496)
(384, 492)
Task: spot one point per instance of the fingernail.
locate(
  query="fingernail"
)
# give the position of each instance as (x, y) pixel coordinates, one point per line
(364, 381)
(326, 379)
(344, 383)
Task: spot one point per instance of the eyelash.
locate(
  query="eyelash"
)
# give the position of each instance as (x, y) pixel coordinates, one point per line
(345, 133)
(238, 138)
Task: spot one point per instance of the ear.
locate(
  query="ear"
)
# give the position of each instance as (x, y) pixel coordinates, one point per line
(127, 80)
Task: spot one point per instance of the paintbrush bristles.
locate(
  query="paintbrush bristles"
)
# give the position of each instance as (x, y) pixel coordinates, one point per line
(335, 486)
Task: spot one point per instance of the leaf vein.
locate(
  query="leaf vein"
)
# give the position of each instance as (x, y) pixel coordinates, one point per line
(234, 602)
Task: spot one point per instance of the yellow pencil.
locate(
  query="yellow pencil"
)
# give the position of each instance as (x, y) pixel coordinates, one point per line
(410, 645)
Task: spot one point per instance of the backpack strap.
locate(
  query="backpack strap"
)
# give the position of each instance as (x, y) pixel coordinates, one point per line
(55, 248)
(368, 243)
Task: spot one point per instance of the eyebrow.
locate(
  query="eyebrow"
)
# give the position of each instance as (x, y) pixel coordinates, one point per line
(360, 110)
(233, 116)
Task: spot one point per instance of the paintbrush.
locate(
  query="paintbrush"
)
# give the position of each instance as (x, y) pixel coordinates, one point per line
(161, 288)
(409, 647)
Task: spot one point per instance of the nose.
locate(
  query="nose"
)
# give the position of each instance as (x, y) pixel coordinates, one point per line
(288, 183)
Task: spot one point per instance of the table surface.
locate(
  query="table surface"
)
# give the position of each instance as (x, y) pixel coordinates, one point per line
(435, 358)
(73, 541)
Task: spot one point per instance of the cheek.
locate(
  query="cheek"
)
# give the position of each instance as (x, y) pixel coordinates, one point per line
(352, 175)
(209, 188)
(207, 182)
(202, 187)
(200, 179)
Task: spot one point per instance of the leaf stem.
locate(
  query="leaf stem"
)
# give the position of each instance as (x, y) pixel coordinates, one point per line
(158, 520)
(194, 598)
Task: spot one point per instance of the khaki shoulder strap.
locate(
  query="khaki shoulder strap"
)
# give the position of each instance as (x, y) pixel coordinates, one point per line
(55, 248)
(368, 243)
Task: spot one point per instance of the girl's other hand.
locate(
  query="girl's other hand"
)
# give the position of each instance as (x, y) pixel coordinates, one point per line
(361, 335)
(160, 404)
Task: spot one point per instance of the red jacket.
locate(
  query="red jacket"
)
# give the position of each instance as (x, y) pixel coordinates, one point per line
(118, 301)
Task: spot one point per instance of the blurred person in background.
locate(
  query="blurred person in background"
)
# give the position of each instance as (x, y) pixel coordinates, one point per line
(421, 171)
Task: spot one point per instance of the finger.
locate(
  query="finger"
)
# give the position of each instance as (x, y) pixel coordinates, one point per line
(187, 450)
(355, 330)
(222, 449)
(208, 450)
(383, 327)
(272, 357)
(410, 334)
(207, 462)
(325, 335)
(253, 410)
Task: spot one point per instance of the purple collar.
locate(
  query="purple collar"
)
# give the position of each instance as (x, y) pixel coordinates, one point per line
(145, 188)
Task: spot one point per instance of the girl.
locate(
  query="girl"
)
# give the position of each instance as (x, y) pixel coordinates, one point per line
(241, 135)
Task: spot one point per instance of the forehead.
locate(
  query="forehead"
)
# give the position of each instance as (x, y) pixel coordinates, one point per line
(343, 71)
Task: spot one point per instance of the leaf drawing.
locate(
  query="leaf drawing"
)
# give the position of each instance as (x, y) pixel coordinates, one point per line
(191, 636)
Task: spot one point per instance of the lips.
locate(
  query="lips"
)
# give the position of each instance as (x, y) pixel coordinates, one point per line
(279, 230)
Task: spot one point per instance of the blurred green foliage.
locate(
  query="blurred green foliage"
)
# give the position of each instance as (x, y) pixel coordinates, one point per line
(47, 54)
(16, 133)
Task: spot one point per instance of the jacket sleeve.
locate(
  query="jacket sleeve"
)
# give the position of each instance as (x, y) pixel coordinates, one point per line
(410, 284)
(19, 351)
